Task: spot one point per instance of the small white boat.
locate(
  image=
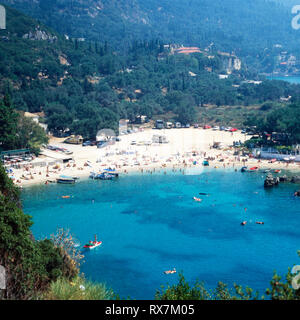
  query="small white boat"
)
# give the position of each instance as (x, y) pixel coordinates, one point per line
(170, 271)
(92, 244)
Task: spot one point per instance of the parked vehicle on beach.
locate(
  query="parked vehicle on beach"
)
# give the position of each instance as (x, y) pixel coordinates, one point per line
(159, 124)
(169, 125)
(74, 140)
(87, 143)
(102, 144)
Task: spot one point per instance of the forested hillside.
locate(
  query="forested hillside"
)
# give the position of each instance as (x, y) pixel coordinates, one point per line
(87, 86)
(249, 28)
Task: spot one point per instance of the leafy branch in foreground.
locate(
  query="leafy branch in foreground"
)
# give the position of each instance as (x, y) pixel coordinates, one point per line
(30, 265)
(184, 291)
(64, 239)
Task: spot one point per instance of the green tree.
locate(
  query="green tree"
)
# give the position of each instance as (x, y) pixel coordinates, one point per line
(30, 135)
(30, 265)
(8, 125)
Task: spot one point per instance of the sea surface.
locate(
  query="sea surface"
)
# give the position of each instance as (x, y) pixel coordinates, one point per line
(150, 223)
(295, 80)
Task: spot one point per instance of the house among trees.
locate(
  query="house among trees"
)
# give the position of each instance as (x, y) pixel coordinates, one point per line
(141, 119)
(187, 50)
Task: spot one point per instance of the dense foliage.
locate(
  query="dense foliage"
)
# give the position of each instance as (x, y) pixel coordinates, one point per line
(86, 86)
(283, 120)
(18, 131)
(280, 290)
(30, 265)
(249, 28)
(77, 289)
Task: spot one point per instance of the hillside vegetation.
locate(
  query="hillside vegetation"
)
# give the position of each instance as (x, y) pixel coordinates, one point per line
(249, 28)
(87, 86)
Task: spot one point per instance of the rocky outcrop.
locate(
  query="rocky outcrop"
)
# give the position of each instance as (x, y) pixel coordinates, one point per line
(39, 35)
(285, 178)
(295, 179)
(271, 181)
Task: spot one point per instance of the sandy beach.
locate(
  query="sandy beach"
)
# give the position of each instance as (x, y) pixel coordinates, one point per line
(185, 148)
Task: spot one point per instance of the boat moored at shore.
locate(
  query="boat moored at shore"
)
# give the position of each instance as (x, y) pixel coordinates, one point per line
(104, 175)
(66, 180)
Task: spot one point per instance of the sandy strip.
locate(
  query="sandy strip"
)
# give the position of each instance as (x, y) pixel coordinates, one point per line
(185, 147)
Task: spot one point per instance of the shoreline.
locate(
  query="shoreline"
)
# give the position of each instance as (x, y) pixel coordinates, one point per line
(164, 170)
(186, 148)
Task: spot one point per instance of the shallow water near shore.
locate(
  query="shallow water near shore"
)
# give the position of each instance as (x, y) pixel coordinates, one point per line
(150, 223)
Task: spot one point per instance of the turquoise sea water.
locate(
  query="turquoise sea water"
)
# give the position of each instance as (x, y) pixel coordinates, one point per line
(150, 223)
(295, 80)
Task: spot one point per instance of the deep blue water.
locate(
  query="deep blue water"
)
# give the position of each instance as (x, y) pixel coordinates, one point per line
(150, 223)
(295, 80)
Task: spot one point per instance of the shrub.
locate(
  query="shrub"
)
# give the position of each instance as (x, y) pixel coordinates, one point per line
(30, 265)
(78, 289)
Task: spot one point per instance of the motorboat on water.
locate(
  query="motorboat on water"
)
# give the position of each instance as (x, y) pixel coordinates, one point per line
(197, 199)
(92, 244)
(170, 271)
(112, 172)
(66, 180)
